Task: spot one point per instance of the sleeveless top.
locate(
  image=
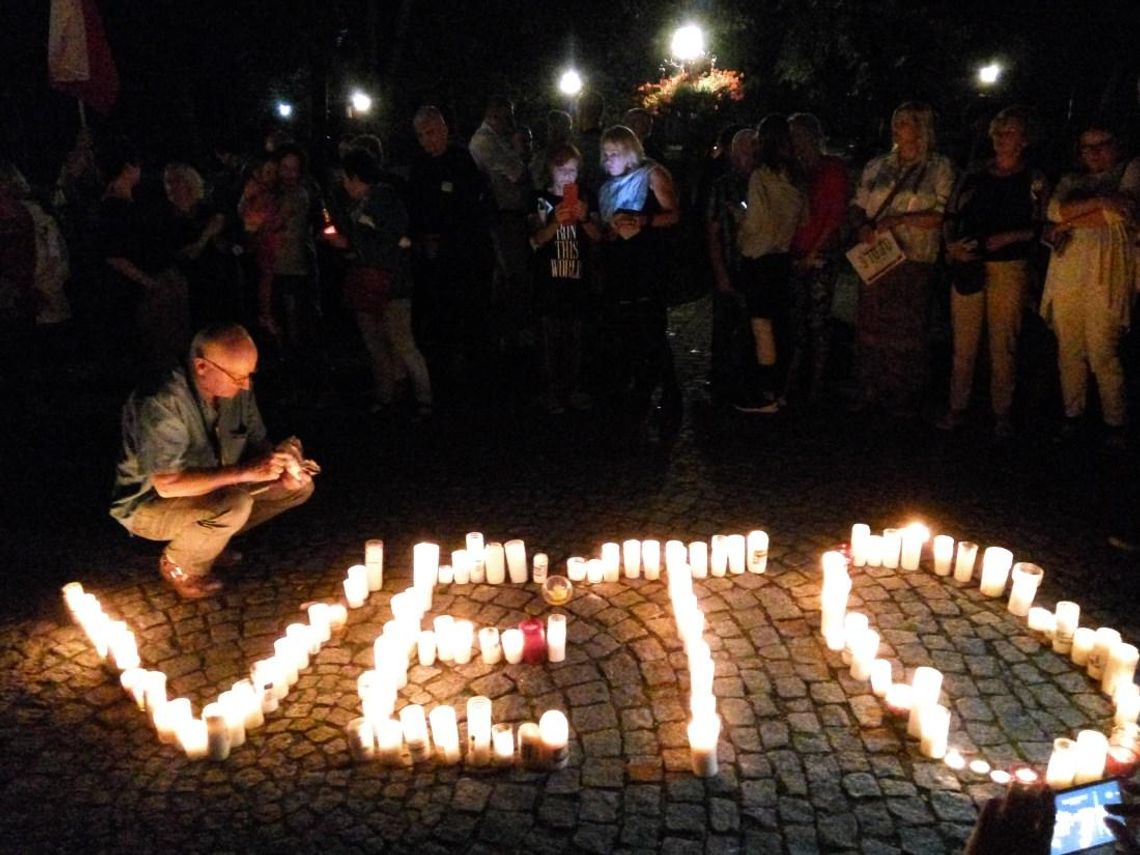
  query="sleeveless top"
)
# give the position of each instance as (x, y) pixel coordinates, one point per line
(628, 192)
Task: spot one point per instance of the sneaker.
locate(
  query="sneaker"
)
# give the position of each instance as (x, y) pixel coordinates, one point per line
(951, 420)
(758, 406)
(188, 587)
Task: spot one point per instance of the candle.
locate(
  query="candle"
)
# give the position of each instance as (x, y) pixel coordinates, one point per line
(1026, 579)
(913, 538)
(1062, 764)
(996, 561)
(338, 616)
(1065, 620)
(630, 558)
(1105, 640)
(556, 637)
(880, 677)
(425, 647)
(718, 562)
(266, 674)
(576, 569)
(389, 735)
(1127, 702)
(1092, 753)
(356, 588)
(701, 675)
(320, 619)
(443, 626)
(943, 554)
(964, 564)
(1123, 751)
(530, 745)
(703, 735)
(154, 692)
(699, 559)
(935, 731)
(925, 689)
(302, 640)
(445, 733)
(863, 654)
(651, 559)
(361, 739)
(122, 646)
(133, 681)
(73, 595)
(461, 565)
(702, 705)
(462, 637)
(675, 555)
(217, 732)
(854, 625)
(595, 572)
(194, 738)
(414, 725)
(534, 642)
(554, 731)
(374, 562)
(980, 767)
(611, 561)
(834, 565)
(898, 698)
(234, 712)
(478, 730)
(1040, 622)
(250, 704)
(737, 549)
(425, 566)
(503, 743)
(860, 532)
(512, 642)
(1121, 667)
(474, 543)
(1084, 639)
(495, 563)
(541, 566)
(874, 550)
(169, 717)
(892, 546)
(516, 560)
(757, 551)
(833, 609)
(444, 575)
(489, 647)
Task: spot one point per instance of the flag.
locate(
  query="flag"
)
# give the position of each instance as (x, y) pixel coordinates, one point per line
(79, 58)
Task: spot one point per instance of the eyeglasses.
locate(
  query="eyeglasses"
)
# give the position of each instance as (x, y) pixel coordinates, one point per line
(240, 380)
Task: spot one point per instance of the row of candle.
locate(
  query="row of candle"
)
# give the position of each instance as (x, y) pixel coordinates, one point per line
(112, 639)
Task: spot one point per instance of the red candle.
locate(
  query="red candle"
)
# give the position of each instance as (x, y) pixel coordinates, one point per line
(534, 641)
(1121, 762)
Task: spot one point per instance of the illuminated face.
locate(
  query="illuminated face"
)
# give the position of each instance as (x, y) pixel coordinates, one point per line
(562, 175)
(224, 371)
(181, 194)
(615, 159)
(431, 134)
(1099, 151)
(1009, 139)
(289, 170)
(908, 138)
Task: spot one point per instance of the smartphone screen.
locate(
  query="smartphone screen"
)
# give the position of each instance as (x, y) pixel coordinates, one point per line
(1080, 817)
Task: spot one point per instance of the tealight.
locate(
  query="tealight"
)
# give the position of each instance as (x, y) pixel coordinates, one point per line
(516, 560)
(860, 532)
(943, 554)
(651, 559)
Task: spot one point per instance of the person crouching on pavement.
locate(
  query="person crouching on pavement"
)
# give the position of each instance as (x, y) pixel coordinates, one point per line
(196, 466)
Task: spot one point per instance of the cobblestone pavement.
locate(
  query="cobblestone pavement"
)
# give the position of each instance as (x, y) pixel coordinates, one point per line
(809, 759)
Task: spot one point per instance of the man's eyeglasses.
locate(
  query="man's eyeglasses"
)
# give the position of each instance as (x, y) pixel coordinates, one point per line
(240, 380)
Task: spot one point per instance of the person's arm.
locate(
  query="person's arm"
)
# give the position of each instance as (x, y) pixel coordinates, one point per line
(662, 187)
(129, 270)
(198, 482)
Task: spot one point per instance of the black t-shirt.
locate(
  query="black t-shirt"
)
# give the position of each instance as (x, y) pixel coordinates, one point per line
(560, 266)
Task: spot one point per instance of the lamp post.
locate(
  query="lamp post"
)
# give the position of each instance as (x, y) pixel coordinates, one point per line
(989, 74)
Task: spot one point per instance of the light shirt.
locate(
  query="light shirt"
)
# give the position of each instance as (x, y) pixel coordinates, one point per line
(776, 208)
(628, 192)
(925, 187)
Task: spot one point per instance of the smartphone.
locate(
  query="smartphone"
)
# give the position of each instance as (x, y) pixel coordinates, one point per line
(1080, 826)
(570, 195)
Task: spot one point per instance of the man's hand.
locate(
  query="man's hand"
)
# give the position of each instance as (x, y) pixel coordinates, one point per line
(962, 250)
(1020, 821)
(269, 467)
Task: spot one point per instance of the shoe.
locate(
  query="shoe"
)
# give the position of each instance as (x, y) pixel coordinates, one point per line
(229, 558)
(1003, 427)
(760, 406)
(188, 587)
(951, 420)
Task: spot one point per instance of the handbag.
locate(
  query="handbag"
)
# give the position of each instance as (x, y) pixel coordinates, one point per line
(367, 289)
(967, 277)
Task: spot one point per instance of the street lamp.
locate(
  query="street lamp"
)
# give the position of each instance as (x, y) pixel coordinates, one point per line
(570, 83)
(361, 102)
(688, 43)
(284, 109)
(989, 74)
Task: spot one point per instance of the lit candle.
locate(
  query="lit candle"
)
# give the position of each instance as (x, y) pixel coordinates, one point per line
(489, 647)
(996, 561)
(443, 626)
(701, 675)
(534, 641)
(630, 558)
(833, 610)
(1026, 578)
(935, 731)
(943, 554)
(980, 767)
(217, 732)
(133, 680)
(425, 566)
(913, 538)
(461, 566)
(286, 652)
(530, 745)
(554, 731)
(474, 543)
(703, 735)
(651, 559)
(834, 567)
(516, 560)
(874, 550)
(576, 569)
(1123, 751)
(503, 743)
(854, 625)
(675, 555)
(860, 532)
(892, 546)
(73, 595)
(718, 561)
(444, 575)
(169, 717)
(495, 563)
(1127, 702)
(425, 647)
(338, 616)
(389, 741)
(556, 637)
(699, 559)
(595, 572)
(361, 739)
(1040, 622)
(154, 692)
(1106, 639)
(541, 566)
(737, 547)
(414, 725)
(478, 730)
(880, 677)
(926, 688)
(320, 620)
(356, 587)
(1121, 667)
(374, 561)
(299, 634)
(1065, 620)
(964, 563)
(1062, 764)
(462, 637)
(250, 704)
(123, 647)
(757, 551)
(265, 673)
(1084, 640)
(235, 717)
(611, 562)
(863, 654)
(898, 698)
(1092, 753)
(194, 738)
(445, 733)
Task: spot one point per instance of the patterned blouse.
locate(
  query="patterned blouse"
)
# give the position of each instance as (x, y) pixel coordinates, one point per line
(925, 187)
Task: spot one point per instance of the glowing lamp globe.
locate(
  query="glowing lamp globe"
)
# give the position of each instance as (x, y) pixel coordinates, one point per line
(361, 101)
(989, 74)
(570, 83)
(284, 109)
(688, 43)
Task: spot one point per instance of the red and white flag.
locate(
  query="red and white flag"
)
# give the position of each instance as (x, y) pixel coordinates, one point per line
(79, 58)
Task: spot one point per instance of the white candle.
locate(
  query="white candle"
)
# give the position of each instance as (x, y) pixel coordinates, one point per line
(1105, 640)
(834, 568)
(630, 558)
(737, 549)
(541, 566)
(899, 698)
(675, 555)
(651, 558)
(301, 636)
(1092, 752)
(445, 733)
(718, 561)
(133, 681)
(854, 625)
(925, 690)
(462, 637)
(389, 741)
(833, 610)
(935, 733)
(425, 566)
(123, 647)
(194, 739)
(556, 637)
(595, 572)
(874, 554)
(154, 692)
(474, 543)
(1026, 579)
(235, 717)
(266, 673)
(217, 732)
(425, 647)
(576, 569)
(880, 677)
(516, 560)
(703, 735)
(250, 704)
(478, 730)
(444, 575)
(702, 705)
(860, 532)
(1121, 667)
(913, 538)
(1065, 621)
(443, 626)
(169, 717)
(530, 745)
(503, 743)
(699, 559)
(701, 675)
(1040, 622)
(943, 554)
(512, 642)
(863, 654)
(361, 739)
(337, 615)
(964, 564)
(757, 551)
(892, 546)
(1062, 764)
(374, 561)
(611, 561)
(489, 647)
(554, 731)
(73, 595)
(1127, 704)
(495, 563)
(321, 621)
(996, 561)
(414, 725)
(356, 590)
(460, 566)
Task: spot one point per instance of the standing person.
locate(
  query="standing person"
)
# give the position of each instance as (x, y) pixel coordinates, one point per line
(905, 192)
(591, 107)
(379, 283)
(560, 232)
(1091, 279)
(776, 208)
(636, 203)
(815, 254)
(640, 121)
(559, 126)
(992, 227)
(197, 467)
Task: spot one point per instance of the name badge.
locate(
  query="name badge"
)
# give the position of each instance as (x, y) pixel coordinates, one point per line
(446, 187)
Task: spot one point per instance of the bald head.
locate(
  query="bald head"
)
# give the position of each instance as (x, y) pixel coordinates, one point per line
(224, 359)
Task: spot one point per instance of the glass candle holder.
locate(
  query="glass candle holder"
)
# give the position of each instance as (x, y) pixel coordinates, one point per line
(557, 590)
